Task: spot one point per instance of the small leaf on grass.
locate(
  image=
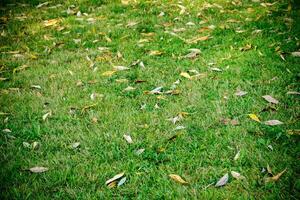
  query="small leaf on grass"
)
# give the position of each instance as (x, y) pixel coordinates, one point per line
(6, 130)
(293, 92)
(276, 177)
(240, 93)
(108, 73)
(75, 145)
(215, 69)
(38, 169)
(296, 54)
(128, 138)
(237, 175)
(254, 117)
(45, 116)
(177, 178)
(51, 22)
(270, 99)
(129, 88)
(155, 90)
(185, 75)
(122, 181)
(237, 155)
(223, 181)
(155, 53)
(113, 179)
(120, 68)
(139, 151)
(273, 122)
(36, 87)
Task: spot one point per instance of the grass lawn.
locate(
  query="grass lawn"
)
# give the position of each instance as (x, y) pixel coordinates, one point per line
(93, 88)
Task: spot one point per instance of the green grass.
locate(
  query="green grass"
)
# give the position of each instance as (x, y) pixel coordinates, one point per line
(201, 153)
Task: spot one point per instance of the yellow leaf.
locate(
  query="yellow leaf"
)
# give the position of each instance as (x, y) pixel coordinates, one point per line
(51, 22)
(197, 39)
(108, 73)
(177, 178)
(185, 75)
(155, 53)
(254, 117)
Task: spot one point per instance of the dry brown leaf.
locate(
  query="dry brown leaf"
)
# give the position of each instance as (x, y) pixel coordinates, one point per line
(270, 99)
(120, 68)
(51, 22)
(177, 178)
(197, 39)
(296, 54)
(128, 138)
(237, 175)
(276, 177)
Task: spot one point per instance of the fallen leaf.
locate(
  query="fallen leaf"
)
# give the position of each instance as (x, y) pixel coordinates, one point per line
(75, 145)
(128, 138)
(193, 53)
(6, 130)
(177, 178)
(276, 177)
(120, 68)
(185, 75)
(296, 54)
(215, 69)
(26, 145)
(240, 93)
(237, 175)
(129, 88)
(38, 169)
(246, 48)
(270, 99)
(155, 53)
(45, 116)
(273, 122)
(139, 151)
(237, 155)
(293, 92)
(223, 181)
(156, 90)
(51, 22)
(116, 177)
(197, 39)
(122, 181)
(179, 128)
(36, 87)
(254, 117)
(108, 73)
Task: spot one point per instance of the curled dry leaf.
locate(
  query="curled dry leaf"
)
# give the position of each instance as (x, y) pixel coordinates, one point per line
(276, 177)
(197, 39)
(237, 175)
(45, 116)
(128, 138)
(36, 87)
(273, 122)
(223, 181)
(293, 92)
(115, 178)
(254, 117)
(270, 99)
(156, 90)
(177, 178)
(38, 169)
